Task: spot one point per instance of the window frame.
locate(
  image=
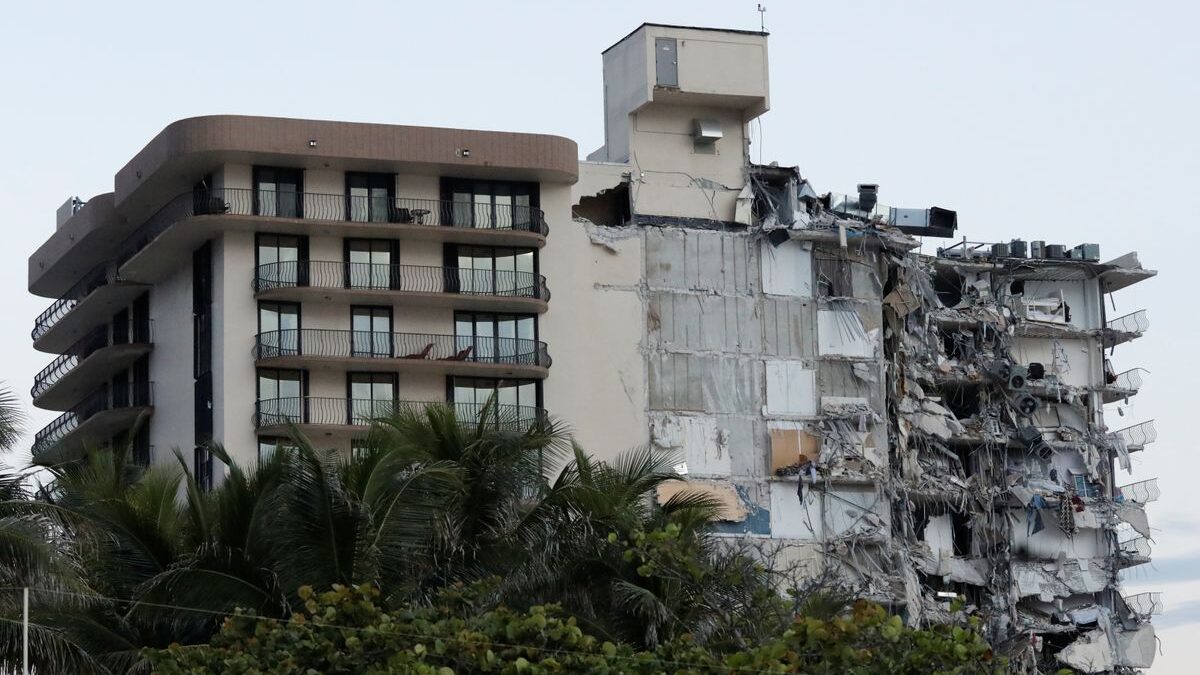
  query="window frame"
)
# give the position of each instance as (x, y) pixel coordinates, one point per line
(256, 178)
(389, 214)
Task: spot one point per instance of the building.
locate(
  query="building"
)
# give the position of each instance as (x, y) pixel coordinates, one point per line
(925, 426)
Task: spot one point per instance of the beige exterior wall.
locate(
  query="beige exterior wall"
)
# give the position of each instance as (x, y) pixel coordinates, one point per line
(173, 423)
(235, 322)
(593, 329)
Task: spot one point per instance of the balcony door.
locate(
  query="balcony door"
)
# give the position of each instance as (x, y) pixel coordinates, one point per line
(371, 332)
(490, 204)
(496, 338)
(278, 192)
(371, 263)
(278, 329)
(484, 270)
(369, 196)
(280, 260)
(281, 396)
(518, 400)
(371, 396)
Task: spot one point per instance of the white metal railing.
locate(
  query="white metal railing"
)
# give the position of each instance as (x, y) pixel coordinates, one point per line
(1138, 546)
(1142, 492)
(1135, 437)
(1145, 604)
(1130, 380)
(1134, 322)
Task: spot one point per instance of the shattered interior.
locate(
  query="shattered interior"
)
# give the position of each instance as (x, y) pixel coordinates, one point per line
(928, 426)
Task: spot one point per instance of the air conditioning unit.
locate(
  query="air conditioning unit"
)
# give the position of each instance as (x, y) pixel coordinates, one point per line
(1056, 252)
(1037, 250)
(1026, 404)
(1017, 248)
(1017, 377)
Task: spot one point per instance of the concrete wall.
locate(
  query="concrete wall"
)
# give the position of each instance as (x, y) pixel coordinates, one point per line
(1076, 361)
(173, 423)
(235, 323)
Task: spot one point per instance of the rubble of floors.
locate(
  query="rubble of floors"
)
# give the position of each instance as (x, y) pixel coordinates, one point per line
(931, 427)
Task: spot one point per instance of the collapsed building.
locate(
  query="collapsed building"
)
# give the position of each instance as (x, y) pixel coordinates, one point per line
(928, 426)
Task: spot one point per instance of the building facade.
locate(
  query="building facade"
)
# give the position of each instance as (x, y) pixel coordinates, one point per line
(925, 426)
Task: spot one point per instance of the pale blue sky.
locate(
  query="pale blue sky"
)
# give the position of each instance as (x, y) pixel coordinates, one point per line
(1064, 121)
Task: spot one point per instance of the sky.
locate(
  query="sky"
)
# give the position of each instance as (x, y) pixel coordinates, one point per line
(1063, 121)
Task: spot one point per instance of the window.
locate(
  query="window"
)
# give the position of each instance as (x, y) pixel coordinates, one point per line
(518, 400)
(278, 329)
(280, 396)
(371, 331)
(372, 395)
(496, 338)
(495, 271)
(369, 197)
(834, 278)
(370, 263)
(492, 204)
(268, 445)
(202, 468)
(279, 259)
(277, 192)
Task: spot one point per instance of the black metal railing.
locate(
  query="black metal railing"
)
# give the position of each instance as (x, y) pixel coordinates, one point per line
(101, 275)
(139, 332)
(414, 346)
(334, 207)
(131, 395)
(361, 412)
(404, 278)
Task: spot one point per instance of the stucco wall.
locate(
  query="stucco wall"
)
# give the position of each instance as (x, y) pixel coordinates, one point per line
(172, 425)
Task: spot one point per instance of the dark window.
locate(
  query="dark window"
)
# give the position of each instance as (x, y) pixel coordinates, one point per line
(371, 263)
(280, 396)
(278, 329)
(120, 328)
(371, 396)
(833, 278)
(518, 400)
(491, 204)
(280, 258)
(277, 192)
(141, 445)
(202, 468)
(370, 197)
(371, 331)
(268, 445)
(494, 271)
(496, 338)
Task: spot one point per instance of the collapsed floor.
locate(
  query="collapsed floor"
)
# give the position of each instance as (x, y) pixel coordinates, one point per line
(930, 427)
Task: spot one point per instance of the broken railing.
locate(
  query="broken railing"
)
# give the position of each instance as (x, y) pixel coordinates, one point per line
(1145, 604)
(1137, 547)
(1142, 492)
(1136, 437)
(1134, 322)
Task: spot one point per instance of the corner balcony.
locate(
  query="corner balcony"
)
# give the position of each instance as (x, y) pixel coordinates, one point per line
(1133, 552)
(369, 283)
(147, 253)
(325, 415)
(93, 299)
(1134, 437)
(106, 412)
(1123, 386)
(365, 350)
(88, 364)
(1144, 605)
(1141, 492)
(1125, 328)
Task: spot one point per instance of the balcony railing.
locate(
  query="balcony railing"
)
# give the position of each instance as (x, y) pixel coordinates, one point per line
(1141, 492)
(1145, 605)
(1135, 437)
(362, 412)
(139, 333)
(1135, 322)
(1137, 547)
(131, 395)
(414, 346)
(101, 275)
(1130, 380)
(404, 278)
(335, 207)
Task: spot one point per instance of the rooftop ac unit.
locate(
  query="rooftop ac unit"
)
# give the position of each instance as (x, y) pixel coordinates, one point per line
(707, 131)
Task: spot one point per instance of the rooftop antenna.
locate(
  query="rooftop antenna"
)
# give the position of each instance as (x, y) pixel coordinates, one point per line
(762, 17)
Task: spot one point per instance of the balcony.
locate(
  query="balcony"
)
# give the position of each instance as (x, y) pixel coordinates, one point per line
(1123, 386)
(1145, 605)
(1141, 492)
(1133, 552)
(97, 296)
(89, 363)
(249, 209)
(330, 414)
(1125, 328)
(1135, 437)
(106, 412)
(504, 290)
(365, 350)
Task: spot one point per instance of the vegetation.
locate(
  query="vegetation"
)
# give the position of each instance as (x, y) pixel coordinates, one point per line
(481, 537)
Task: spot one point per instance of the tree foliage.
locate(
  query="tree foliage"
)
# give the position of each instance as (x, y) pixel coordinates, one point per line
(343, 631)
